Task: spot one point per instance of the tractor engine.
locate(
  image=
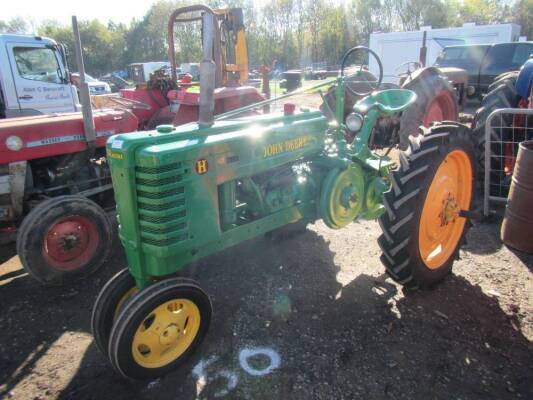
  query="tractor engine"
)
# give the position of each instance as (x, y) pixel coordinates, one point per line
(255, 197)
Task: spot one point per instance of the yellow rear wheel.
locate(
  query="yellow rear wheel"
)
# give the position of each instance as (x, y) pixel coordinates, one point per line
(423, 228)
(159, 328)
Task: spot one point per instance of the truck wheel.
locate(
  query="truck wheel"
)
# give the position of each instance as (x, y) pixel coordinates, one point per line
(422, 228)
(436, 101)
(63, 238)
(502, 95)
(108, 304)
(159, 328)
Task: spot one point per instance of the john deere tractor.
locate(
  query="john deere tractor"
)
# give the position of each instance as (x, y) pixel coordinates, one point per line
(187, 192)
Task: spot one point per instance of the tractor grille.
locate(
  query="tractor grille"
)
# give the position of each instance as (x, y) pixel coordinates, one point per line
(161, 204)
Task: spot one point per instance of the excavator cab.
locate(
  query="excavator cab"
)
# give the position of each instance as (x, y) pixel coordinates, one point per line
(233, 45)
(176, 102)
(230, 53)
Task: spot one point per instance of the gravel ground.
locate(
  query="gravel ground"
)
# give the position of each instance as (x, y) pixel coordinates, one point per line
(312, 317)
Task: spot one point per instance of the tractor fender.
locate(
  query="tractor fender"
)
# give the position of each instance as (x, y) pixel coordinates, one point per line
(525, 79)
(422, 73)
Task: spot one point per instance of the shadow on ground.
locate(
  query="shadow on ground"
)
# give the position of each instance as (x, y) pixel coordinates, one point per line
(365, 339)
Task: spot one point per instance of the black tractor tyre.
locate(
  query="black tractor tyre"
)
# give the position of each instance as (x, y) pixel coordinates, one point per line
(405, 200)
(508, 77)
(502, 95)
(427, 84)
(138, 310)
(64, 238)
(108, 304)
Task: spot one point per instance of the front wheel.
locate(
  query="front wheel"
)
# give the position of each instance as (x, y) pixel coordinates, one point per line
(64, 237)
(110, 301)
(158, 328)
(423, 228)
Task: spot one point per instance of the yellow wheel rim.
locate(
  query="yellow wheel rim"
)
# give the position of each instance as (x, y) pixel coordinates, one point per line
(166, 333)
(130, 293)
(441, 227)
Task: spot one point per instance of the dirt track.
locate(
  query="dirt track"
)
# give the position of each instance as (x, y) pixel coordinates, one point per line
(318, 301)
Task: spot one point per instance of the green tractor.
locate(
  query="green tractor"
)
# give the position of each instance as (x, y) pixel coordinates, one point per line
(187, 192)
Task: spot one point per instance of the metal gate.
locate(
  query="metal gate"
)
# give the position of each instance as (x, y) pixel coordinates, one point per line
(504, 130)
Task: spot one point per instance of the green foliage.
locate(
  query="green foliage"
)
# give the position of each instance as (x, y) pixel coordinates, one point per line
(523, 12)
(14, 25)
(289, 33)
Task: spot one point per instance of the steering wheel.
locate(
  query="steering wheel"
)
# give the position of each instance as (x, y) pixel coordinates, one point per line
(415, 64)
(372, 85)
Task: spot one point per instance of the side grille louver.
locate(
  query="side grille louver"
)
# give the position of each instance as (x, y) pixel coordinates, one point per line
(161, 204)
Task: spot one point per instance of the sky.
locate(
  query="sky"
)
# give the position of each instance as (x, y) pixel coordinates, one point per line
(37, 11)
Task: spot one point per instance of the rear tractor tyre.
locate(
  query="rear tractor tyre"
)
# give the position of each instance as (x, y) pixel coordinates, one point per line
(422, 227)
(502, 94)
(64, 238)
(159, 328)
(436, 101)
(110, 301)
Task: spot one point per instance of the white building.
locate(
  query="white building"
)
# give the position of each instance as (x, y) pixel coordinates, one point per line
(395, 48)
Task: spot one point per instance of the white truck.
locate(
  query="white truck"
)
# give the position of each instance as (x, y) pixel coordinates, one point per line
(34, 78)
(396, 48)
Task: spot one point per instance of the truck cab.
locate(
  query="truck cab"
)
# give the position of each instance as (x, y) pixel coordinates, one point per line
(34, 78)
(484, 62)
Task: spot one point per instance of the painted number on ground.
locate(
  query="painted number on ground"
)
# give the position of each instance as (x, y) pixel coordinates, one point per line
(206, 372)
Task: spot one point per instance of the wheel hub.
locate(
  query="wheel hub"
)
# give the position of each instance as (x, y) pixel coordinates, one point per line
(169, 335)
(450, 210)
(70, 242)
(349, 197)
(342, 195)
(67, 240)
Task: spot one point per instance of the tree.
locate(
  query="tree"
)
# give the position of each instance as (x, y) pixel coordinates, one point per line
(15, 25)
(523, 11)
(484, 11)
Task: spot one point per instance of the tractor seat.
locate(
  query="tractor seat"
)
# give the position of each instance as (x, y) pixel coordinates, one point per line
(390, 101)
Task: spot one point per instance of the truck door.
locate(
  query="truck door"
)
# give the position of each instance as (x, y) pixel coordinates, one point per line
(503, 57)
(40, 79)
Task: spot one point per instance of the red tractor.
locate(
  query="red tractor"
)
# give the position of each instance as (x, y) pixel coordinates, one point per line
(54, 178)
(176, 102)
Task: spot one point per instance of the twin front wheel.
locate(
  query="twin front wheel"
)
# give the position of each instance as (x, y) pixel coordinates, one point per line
(146, 334)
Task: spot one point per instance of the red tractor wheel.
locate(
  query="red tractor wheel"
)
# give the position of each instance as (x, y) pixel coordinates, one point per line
(64, 237)
(436, 101)
(441, 108)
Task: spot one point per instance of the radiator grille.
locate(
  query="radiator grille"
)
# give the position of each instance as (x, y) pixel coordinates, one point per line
(161, 204)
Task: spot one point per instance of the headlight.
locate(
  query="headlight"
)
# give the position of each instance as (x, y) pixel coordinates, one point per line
(354, 122)
(14, 143)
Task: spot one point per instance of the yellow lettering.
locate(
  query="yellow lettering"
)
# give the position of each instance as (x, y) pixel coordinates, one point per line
(118, 156)
(288, 145)
(201, 166)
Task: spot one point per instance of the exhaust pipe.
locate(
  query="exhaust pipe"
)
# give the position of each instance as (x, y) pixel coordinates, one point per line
(85, 98)
(207, 74)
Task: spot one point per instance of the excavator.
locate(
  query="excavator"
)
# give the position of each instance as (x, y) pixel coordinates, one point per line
(166, 100)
